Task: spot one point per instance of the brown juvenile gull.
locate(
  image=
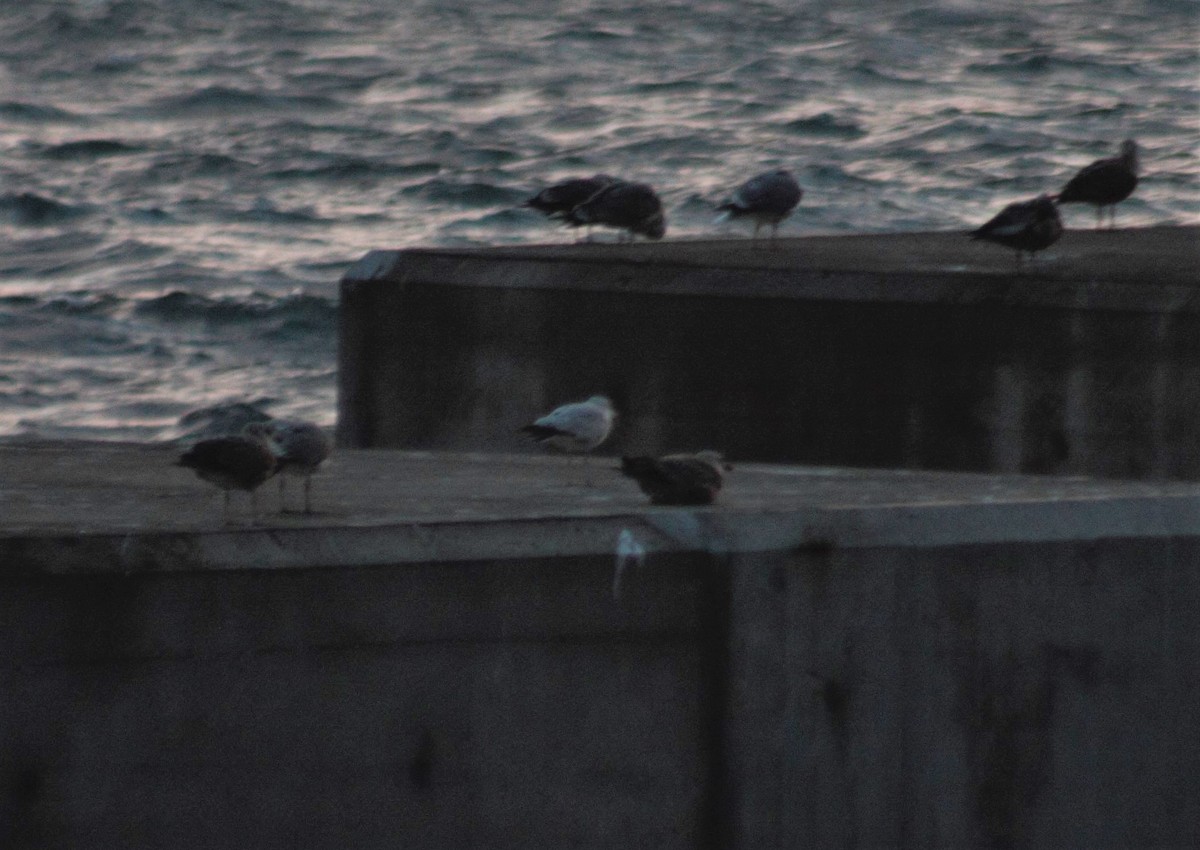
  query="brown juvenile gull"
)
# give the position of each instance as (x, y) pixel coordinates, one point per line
(237, 462)
(574, 428)
(557, 200)
(767, 199)
(632, 208)
(1025, 226)
(678, 479)
(1104, 183)
(300, 448)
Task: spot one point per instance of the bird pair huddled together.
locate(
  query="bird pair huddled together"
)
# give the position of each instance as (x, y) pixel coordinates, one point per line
(675, 479)
(635, 208)
(244, 461)
(1031, 226)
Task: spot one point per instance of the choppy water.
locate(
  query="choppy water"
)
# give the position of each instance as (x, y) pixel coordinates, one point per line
(182, 184)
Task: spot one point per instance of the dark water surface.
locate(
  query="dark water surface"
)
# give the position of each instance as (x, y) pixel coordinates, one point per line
(182, 184)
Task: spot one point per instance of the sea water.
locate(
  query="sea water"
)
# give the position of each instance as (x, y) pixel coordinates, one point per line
(183, 183)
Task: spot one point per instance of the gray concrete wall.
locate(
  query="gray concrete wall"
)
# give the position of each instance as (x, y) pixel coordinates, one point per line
(489, 705)
(436, 659)
(1041, 695)
(915, 351)
(970, 696)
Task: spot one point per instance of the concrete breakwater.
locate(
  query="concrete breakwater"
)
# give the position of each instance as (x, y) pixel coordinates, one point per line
(442, 657)
(898, 351)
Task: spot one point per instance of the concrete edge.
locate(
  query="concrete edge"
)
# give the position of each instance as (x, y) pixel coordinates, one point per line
(621, 274)
(658, 531)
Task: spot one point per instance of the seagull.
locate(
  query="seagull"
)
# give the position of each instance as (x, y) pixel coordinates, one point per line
(634, 208)
(574, 428)
(237, 462)
(1026, 226)
(557, 200)
(768, 199)
(299, 448)
(1104, 183)
(678, 479)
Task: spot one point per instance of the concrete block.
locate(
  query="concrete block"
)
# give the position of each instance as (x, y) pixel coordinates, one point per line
(915, 351)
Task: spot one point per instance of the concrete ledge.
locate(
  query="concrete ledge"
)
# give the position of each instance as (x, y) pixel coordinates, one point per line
(131, 511)
(1144, 270)
(441, 658)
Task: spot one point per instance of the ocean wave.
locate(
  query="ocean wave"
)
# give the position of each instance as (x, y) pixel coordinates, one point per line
(307, 313)
(265, 211)
(468, 194)
(89, 149)
(82, 303)
(228, 100)
(351, 167)
(826, 124)
(13, 110)
(28, 209)
(199, 164)
(1045, 61)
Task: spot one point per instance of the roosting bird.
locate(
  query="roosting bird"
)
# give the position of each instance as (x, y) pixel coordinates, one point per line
(558, 200)
(237, 462)
(632, 208)
(1027, 226)
(766, 199)
(678, 479)
(574, 428)
(300, 448)
(1104, 183)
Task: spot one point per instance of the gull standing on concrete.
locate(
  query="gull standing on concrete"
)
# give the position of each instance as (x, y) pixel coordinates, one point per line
(766, 199)
(631, 208)
(300, 448)
(1025, 226)
(574, 428)
(678, 479)
(1104, 183)
(237, 462)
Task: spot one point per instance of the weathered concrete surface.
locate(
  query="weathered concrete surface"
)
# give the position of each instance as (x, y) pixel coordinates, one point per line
(827, 657)
(901, 351)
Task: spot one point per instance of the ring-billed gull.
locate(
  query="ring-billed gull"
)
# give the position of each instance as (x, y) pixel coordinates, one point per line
(678, 479)
(300, 448)
(236, 462)
(1104, 183)
(766, 199)
(632, 208)
(575, 428)
(1024, 226)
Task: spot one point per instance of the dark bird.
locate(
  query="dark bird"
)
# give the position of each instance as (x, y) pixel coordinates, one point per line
(300, 448)
(633, 208)
(558, 200)
(678, 479)
(766, 199)
(1104, 183)
(1025, 226)
(238, 462)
